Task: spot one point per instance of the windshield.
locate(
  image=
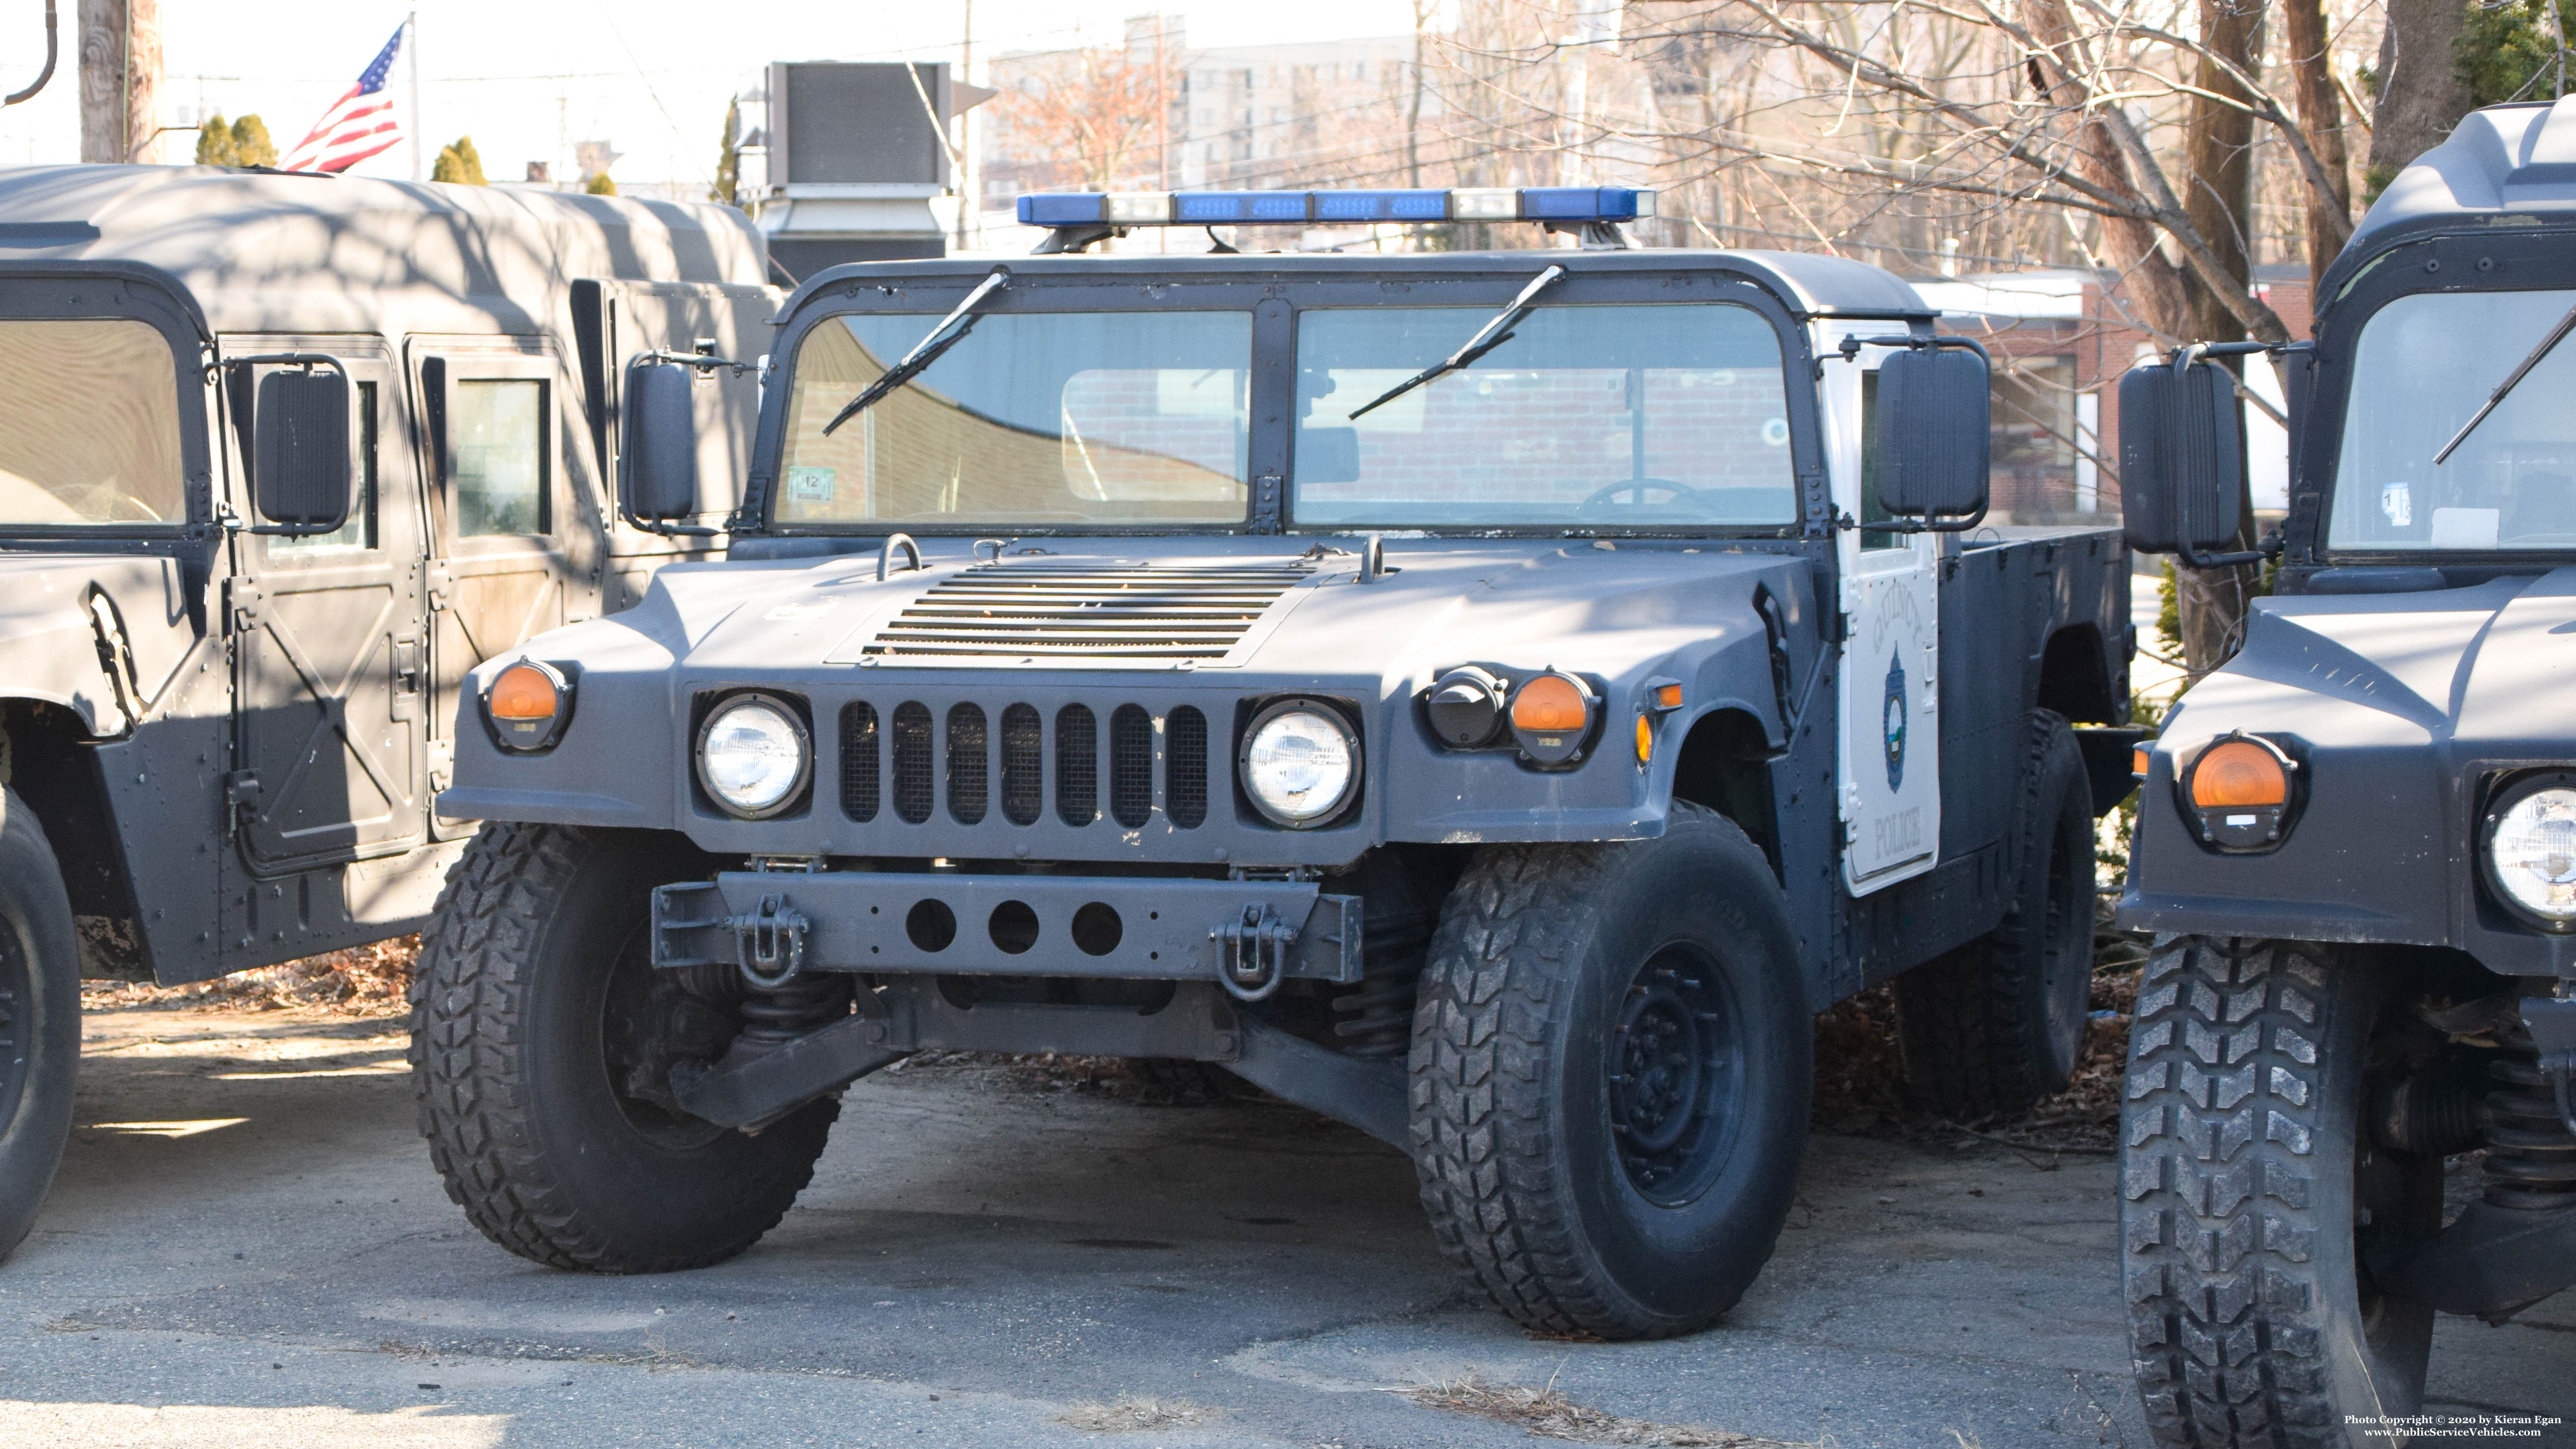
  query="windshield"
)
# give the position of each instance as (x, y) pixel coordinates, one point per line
(1093, 418)
(2425, 365)
(1649, 415)
(89, 425)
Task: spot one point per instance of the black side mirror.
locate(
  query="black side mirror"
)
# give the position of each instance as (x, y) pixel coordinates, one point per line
(1328, 455)
(300, 471)
(1933, 437)
(2182, 458)
(658, 461)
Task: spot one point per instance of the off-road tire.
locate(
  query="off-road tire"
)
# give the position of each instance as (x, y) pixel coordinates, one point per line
(39, 1018)
(1526, 1188)
(533, 1139)
(1998, 1023)
(2252, 1324)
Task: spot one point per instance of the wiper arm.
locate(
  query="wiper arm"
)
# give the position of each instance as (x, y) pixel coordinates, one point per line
(926, 351)
(2556, 335)
(1492, 335)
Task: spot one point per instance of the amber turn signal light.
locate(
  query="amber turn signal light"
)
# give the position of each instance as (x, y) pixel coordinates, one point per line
(2238, 793)
(525, 706)
(1645, 739)
(1552, 718)
(2239, 772)
(2138, 758)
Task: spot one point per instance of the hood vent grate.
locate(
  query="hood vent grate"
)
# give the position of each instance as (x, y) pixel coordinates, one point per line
(1088, 611)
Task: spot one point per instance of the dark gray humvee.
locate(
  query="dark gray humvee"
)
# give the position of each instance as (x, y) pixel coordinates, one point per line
(2357, 841)
(224, 709)
(1507, 762)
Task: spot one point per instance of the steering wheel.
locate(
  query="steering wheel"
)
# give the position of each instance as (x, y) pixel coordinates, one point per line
(1640, 487)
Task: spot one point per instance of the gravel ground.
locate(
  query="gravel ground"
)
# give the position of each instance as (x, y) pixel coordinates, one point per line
(247, 1245)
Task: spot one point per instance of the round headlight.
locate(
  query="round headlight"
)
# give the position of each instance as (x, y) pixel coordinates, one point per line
(1300, 763)
(2532, 851)
(753, 756)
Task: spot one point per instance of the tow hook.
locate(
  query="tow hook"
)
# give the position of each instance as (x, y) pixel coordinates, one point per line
(1255, 951)
(770, 942)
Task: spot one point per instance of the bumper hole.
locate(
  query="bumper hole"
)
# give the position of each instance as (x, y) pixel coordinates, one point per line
(1097, 929)
(1014, 927)
(930, 925)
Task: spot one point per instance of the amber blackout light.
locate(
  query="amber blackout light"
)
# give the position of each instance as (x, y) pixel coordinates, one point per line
(527, 705)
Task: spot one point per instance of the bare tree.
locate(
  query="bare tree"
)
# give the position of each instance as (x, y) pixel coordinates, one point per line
(1085, 118)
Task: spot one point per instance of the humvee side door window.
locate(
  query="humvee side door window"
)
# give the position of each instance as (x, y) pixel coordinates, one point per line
(89, 424)
(497, 451)
(1648, 414)
(1033, 418)
(2425, 365)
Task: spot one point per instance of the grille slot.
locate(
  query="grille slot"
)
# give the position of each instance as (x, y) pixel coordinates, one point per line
(1087, 611)
(1023, 760)
(859, 767)
(912, 777)
(967, 768)
(1131, 766)
(1185, 784)
(1077, 765)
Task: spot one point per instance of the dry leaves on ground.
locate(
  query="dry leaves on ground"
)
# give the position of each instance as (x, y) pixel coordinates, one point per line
(1131, 1414)
(1551, 1415)
(361, 981)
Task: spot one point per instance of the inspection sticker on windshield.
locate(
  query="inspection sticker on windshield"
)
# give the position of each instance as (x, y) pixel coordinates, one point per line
(809, 485)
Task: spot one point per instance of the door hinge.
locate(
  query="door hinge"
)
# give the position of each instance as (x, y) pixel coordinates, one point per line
(242, 790)
(439, 583)
(242, 601)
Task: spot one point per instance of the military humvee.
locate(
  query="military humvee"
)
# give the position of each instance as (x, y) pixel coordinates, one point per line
(281, 458)
(1492, 699)
(2357, 840)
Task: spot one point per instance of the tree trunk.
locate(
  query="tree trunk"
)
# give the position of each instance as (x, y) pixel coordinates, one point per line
(2321, 116)
(2218, 147)
(2421, 96)
(120, 80)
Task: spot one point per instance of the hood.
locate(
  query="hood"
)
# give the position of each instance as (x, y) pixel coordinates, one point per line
(2483, 670)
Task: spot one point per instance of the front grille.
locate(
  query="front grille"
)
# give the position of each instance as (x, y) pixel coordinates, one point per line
(947, 756)
(966, 766)
(1131, 766)
(1080, 612)
(1023, 765)
(912, 790)
(859, 767)
(1077, 765)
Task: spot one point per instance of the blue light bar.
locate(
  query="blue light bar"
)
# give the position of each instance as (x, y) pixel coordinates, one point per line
(1574, 205)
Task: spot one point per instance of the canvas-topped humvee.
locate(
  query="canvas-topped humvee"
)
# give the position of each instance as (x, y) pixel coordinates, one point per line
(1492, 698)
(281, 459)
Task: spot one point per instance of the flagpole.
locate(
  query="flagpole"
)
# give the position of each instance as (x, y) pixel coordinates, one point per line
(411, 45)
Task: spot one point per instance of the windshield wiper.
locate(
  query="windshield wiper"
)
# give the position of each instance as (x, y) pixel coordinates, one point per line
(926, 351)
(2556, 335)
(1498, 331)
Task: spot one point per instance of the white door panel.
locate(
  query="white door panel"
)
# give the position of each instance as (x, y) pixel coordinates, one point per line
(1890, 756)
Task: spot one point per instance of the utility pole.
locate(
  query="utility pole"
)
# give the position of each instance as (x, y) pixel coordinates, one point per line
(120, 80)
(411, 60)
(969, 204)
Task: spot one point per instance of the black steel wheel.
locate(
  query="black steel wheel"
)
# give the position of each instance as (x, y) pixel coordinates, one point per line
(1610, 1076)
(542, 1038)
(39, 1018)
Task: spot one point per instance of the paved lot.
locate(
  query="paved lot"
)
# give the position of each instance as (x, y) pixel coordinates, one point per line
(259, 1254)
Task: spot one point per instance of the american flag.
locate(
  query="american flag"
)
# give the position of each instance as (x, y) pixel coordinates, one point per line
(358, 125)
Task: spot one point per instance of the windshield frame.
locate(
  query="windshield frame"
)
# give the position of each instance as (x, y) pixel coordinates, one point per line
(2533, 259)
(1274, 298)
(60, 292)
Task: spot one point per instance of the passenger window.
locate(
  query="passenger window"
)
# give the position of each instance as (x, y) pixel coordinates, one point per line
(1871, 510)
(497, 432)
(360, 531)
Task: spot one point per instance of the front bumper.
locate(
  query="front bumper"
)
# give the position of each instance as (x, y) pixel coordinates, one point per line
(1245, 934)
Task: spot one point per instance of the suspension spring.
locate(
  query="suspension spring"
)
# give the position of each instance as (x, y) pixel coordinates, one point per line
(2531, 1157)
(1376, 1016)
(806, 1002)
